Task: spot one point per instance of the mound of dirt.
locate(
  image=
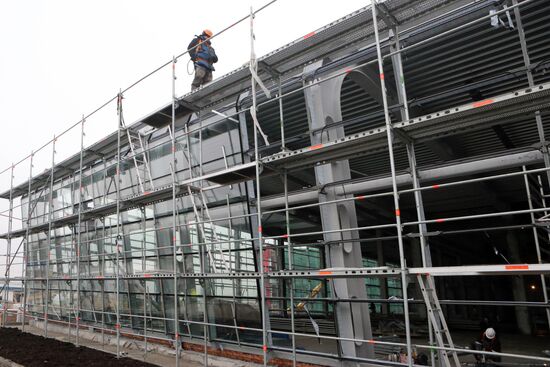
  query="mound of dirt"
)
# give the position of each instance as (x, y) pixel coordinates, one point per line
(32, 350)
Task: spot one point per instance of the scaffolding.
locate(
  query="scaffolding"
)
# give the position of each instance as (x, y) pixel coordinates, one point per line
(191, 225)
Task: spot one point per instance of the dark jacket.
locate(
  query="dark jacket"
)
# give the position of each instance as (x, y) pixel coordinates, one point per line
(202, 53)
(487, 345)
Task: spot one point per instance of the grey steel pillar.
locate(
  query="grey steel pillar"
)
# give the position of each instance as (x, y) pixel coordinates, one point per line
(323, 107)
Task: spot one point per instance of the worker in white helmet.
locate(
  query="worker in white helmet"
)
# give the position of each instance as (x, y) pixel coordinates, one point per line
(488, 342)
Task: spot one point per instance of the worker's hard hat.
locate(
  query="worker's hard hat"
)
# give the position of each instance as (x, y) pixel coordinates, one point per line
(490, 333)
(208, 32)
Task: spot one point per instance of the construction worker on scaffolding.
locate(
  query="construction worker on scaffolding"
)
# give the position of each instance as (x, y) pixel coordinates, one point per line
(204, 57)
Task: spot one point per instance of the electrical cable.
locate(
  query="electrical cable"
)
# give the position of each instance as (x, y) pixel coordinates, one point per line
(193, 70)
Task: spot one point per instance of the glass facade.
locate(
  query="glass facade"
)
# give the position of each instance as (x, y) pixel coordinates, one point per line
(206, 243)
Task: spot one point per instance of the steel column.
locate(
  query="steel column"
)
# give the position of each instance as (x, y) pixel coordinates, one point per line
(323, 107)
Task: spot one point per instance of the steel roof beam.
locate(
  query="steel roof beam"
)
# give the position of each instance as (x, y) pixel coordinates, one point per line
(383, 12)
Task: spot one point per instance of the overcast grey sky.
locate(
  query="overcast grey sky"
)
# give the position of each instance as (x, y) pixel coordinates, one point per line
(61, 59)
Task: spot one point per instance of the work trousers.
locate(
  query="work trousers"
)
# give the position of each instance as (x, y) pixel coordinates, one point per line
(202, 76)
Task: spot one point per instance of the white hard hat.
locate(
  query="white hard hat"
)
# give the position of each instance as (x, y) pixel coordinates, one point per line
(490, 333)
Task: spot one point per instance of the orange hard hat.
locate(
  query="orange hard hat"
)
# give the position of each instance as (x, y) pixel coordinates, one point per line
(208, 32)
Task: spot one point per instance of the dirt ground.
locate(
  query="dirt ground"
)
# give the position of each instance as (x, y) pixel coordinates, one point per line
(33, 350)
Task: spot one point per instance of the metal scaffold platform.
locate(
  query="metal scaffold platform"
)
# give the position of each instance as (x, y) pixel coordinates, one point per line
(363, 175)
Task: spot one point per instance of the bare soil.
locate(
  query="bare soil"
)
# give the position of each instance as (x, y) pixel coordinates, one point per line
(33, 350)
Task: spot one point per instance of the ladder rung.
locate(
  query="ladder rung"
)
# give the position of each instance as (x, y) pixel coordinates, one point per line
(429, 292)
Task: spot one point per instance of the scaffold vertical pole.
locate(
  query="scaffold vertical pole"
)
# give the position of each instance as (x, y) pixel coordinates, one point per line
(102, 285)
(174, 215)
(143, 282)
(263, 305)
(543, 199)
(79, 233)
(233, 284)
(118, 222)
(201, 248)
(7, 272)
(26, 247)
(181, 248)
(290, 267)
(50, 219)
(389, 134)
(425, 254)
(537, 244)
(204, 251)
(71, 260)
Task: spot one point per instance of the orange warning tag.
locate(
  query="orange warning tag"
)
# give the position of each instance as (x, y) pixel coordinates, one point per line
(516, 267)
(482, 103)
(314, 147)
